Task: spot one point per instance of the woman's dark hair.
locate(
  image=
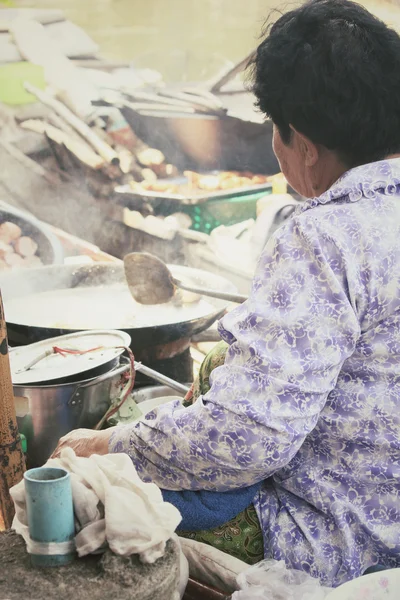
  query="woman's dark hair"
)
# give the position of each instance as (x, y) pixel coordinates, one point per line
(332, 71)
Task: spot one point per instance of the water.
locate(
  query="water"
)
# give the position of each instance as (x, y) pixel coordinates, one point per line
(184, 39)
(187, 40)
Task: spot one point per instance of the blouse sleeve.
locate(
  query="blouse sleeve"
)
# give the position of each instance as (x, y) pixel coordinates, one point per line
(288, 343)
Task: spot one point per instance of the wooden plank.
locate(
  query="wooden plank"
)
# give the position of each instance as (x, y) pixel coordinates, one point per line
(36, 46)
(12, 463)
(41, 15)
(87, 133)
(9, 52)
(71, 41)
(102, 65)
(79, 148)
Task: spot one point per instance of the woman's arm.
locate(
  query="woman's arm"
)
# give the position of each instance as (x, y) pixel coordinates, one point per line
(85, 442)
(291, 339)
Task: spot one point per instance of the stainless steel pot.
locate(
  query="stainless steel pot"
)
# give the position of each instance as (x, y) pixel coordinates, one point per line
(47, 412)
(153, 392)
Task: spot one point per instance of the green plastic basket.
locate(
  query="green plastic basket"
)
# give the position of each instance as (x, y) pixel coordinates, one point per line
(225, 211)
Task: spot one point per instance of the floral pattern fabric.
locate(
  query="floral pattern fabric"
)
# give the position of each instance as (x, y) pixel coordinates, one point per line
(240, 537)
(201, 384)
(308, 400)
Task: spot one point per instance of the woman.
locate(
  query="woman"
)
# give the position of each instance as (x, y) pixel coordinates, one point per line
(308, 398)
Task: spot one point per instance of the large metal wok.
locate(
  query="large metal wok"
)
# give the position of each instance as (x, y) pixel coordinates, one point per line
(30, 298)
(225, 133)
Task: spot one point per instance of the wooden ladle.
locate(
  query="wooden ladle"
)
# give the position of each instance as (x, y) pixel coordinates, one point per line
(151, 282)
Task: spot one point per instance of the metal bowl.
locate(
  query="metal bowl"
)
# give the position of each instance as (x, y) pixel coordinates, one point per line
(50, 250)
(153, 392)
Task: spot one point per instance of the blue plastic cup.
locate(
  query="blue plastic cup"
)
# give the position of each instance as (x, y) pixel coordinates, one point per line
(50, 512)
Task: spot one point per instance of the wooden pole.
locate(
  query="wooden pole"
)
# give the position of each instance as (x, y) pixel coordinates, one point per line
(99, 145)
(12, 464)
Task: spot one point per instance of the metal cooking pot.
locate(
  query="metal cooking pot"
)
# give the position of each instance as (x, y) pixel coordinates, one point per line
(47, 412)
(201, 141)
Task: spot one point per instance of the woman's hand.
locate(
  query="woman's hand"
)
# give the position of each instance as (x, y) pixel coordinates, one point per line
(84, 442)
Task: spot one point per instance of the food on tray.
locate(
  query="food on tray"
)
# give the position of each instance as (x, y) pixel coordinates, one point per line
(224, 180)
(16, 250)
(164, 187)
(197, 183)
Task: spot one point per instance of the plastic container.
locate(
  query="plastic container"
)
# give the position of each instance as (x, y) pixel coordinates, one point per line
(206, 213)
(50, 516)
(24, 447)
(12, 78)
(227, 211)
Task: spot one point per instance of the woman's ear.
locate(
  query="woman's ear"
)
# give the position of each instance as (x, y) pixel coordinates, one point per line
(308, 149)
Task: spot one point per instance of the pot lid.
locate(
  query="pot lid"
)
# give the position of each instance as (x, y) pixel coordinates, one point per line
(66, 355)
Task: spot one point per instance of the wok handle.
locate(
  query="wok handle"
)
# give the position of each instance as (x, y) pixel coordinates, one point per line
(11, 457)
(163, 379)
(230, 297)
(159, 377)
(228, 74)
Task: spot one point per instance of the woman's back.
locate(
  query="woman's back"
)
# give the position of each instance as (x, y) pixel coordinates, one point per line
(349, 466)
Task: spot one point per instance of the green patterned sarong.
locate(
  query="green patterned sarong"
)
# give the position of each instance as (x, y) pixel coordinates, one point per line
(240, 537)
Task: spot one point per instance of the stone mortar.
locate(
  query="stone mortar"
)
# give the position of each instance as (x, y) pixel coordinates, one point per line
(100, 577)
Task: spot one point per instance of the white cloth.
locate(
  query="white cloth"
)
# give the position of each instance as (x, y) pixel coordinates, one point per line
(273, 580)
(112, 506)
(212, 566)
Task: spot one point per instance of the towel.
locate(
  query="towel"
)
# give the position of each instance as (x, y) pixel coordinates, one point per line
(206, 510)
(112, 507)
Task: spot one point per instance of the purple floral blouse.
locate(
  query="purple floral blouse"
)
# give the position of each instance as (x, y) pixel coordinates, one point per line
(308, 400)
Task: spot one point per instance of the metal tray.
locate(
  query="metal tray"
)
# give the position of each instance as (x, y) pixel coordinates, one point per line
(198, 197)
